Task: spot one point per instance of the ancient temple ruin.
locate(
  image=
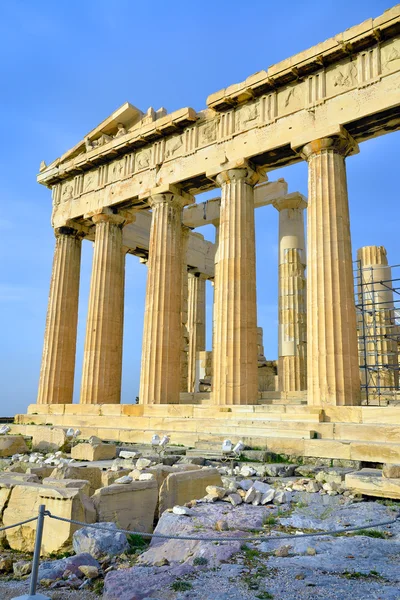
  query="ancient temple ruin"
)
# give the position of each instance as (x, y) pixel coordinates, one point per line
(130, 186)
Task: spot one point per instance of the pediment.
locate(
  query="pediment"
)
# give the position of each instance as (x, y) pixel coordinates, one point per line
(118, 123)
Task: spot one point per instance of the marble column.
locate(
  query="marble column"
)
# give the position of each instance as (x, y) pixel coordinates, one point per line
(184, 312)
(235, 379)
(216, 243)
(332, 355)
(102, 358)
(162, 340)
(292, 319)
(56, 383)
(377, 324)
(196, 323)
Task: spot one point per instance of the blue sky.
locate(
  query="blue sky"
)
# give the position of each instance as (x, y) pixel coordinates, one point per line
(67, 65)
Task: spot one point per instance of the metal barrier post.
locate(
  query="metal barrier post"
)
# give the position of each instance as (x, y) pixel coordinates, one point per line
(36, 558)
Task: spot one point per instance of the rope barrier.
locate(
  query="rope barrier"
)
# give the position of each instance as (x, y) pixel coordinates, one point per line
(18, 524)
(43, 513)
(225, 539)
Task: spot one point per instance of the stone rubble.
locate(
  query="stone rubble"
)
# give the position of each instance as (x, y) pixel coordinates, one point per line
(131, 492)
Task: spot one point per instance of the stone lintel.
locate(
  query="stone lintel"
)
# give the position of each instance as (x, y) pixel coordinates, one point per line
(204, 213)
(311, 141)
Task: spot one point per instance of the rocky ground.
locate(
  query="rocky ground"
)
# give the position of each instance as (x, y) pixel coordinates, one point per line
(347, 566)
(259, 500)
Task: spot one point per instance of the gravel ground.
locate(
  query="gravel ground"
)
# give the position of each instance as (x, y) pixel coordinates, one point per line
(318, 568)
(12, 589)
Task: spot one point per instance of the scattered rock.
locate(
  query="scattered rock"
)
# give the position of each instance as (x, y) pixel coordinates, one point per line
(146, 477)
(98, 542)
(124, 479)
(55, 569)
(312, 487)
(261, 487)
(282, 497)
(280, 470)
(235, 499)
(6, 564)
(22, 568)
(182, 510)
(221, 525)
(89, 571)
(311, 551)
(282, 551)
(251, 495)
(247, 471)
(245, 484)
(143, 463)
(268, 496)
(129, 454)
(216, 490)
(257, 498)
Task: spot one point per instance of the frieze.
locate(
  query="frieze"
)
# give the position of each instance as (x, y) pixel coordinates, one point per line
(365, 68)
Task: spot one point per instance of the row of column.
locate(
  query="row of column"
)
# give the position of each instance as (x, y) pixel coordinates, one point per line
(332, 357)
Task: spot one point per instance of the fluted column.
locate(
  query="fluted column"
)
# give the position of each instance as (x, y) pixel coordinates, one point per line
(332, 363)
(196, 323)
(292, 320)
(56, 383)
(184, 312)
(235, 379)
(102, 358)
(216, 243)
(161, 349)
(377, 325)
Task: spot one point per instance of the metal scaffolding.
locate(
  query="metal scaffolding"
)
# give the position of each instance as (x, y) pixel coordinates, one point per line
(377, 293)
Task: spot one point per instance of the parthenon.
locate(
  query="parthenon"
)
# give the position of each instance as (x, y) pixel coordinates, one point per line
(130, 187)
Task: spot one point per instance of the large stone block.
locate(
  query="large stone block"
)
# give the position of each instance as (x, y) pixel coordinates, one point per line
(391, 471)
(12, 444)
(78, 484)
(92, 452)
(90, 474)
(371, 483)
(24, 503)
(179, 488)
(48, 439)
(130, 506)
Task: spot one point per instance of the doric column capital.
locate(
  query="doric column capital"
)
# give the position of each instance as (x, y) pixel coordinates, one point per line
(67, 231)
(236, 171)
(112, 215)
(341, 143)
(294, 200)
(192, 272)
(171, 195)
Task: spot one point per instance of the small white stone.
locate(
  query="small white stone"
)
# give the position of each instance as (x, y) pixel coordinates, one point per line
(146, 477)
(247, 471)
(124, 479)
(234, 499)
(251, 495)
(182, 510)
(129, 454)
(143, 463)
(261, 487)
(268, 496)
(245, 484)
